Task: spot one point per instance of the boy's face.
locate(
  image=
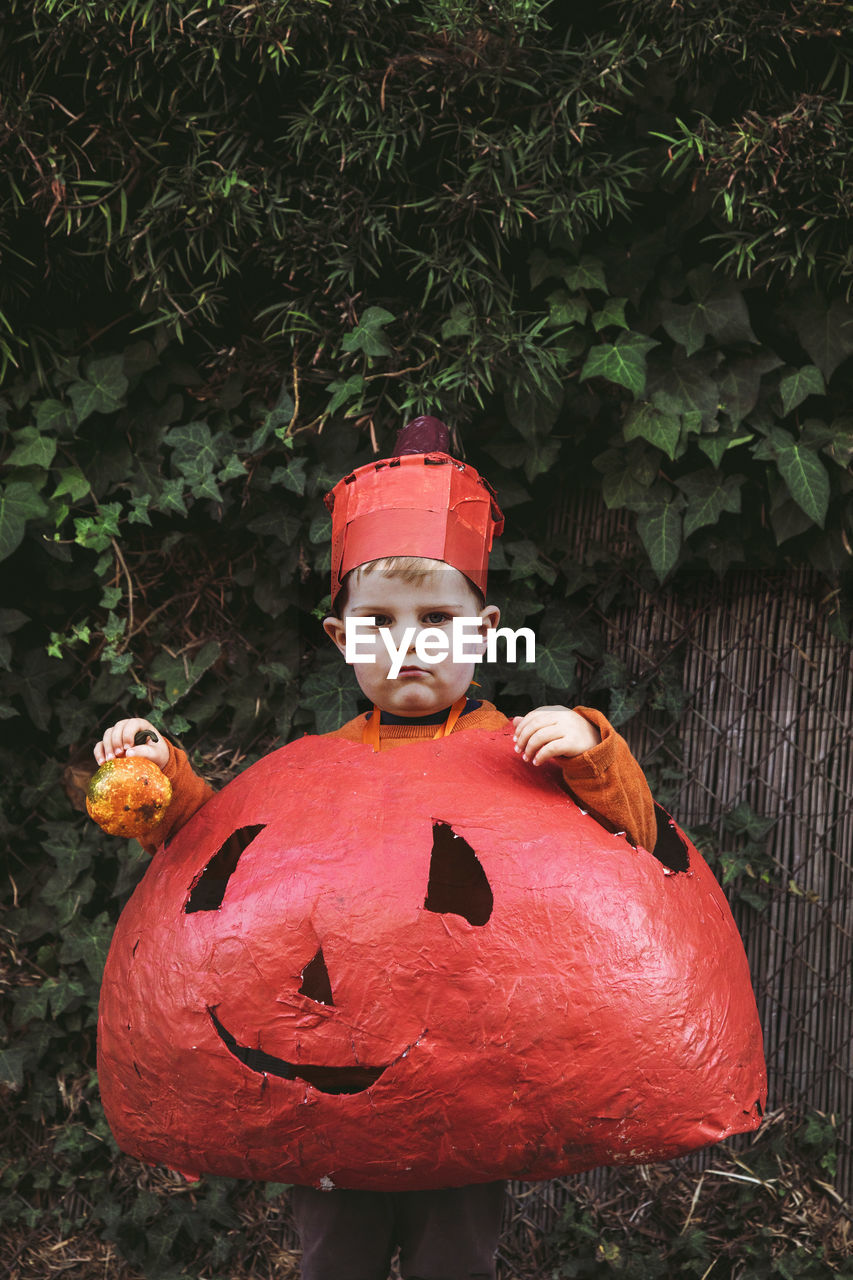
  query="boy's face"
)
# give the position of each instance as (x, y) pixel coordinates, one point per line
(441, 595)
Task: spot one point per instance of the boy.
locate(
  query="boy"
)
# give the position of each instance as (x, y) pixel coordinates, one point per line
(411, 537)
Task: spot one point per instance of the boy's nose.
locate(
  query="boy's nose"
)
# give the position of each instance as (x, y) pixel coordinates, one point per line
(400, 636)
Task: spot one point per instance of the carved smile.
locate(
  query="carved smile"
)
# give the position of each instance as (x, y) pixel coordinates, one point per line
(325, 1079)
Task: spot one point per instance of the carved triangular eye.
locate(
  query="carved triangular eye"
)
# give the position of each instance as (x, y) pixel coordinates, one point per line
(209, 889)
(457, 882)
(315, 981)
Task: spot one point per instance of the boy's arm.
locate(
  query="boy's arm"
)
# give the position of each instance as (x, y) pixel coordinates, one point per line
(136, 737)
(602, 776)
(609, 782)
(189, 793)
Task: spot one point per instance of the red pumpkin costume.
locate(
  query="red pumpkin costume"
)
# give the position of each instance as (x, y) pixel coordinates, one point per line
(425, 503)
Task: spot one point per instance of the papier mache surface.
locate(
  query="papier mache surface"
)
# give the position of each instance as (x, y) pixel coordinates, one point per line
(598, 1012)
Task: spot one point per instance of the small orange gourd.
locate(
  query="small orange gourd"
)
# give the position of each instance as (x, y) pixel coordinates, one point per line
(128, 796)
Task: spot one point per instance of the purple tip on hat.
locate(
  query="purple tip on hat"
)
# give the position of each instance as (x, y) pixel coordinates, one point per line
(422, 435)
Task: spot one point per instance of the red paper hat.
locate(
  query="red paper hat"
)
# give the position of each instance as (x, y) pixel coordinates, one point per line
(419, 502)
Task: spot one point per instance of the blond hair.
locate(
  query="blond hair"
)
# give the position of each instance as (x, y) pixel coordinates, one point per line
(411, 569)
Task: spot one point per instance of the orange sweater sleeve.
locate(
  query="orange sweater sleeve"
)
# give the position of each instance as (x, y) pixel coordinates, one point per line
(608, 781)
(189, 793)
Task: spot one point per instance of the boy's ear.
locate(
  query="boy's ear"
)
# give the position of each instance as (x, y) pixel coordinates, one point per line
(490, 616)
(335, 629)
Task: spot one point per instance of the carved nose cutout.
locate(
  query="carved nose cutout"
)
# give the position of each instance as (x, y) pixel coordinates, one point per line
(458, 885)
(208, 889)
(315, 981)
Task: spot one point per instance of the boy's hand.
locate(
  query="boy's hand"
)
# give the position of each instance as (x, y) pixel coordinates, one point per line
(118, 741)
(553, 731)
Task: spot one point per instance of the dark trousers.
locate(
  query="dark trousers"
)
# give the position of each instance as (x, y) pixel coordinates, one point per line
(442, 1235)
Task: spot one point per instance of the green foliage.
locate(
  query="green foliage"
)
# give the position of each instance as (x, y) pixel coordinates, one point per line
(241, 243)
(746, 868)
(750, 1214)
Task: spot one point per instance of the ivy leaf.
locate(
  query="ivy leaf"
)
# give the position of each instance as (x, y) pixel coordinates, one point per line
(277, 420)
(332, 695)
(741, 383)
(798, 385)
(234, 469)
(138, 511)
(12, 620)
(73, 483)
(685, 325)
(588, 274)
(540, 457)
(103, 389)
(20, 501)
(686, 386)
(816, 434)
(544, 268)
(320, 529)
(716, 445)
(612, 313)
(840, 448)
(196, 456)
(804, 474)
(531, 413)
(53, 416)
(171, 497)
(663, 430)
(281, 415)
(708, 494)
(510, 456)
(629, 476)
(627, 696)
(367, 336)
(719, 311)
(826, 332)
(31, 449)
(624, 489)
(291, 477)
(566, 308)
(556, 663)
(178, 675)
(622, 362)
(526, 562)
(97, 531)
(88, 941)
(786, 517)
(340, 392)
(459, 323)
(660, 530)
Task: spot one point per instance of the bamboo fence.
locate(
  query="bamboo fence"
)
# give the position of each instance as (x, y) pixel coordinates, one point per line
(767, 722)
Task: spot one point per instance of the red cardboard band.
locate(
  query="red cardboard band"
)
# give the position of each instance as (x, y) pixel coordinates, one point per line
(428, 505)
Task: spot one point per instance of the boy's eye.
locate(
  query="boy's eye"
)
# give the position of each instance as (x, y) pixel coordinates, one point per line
(381, 620)
(436, 618)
